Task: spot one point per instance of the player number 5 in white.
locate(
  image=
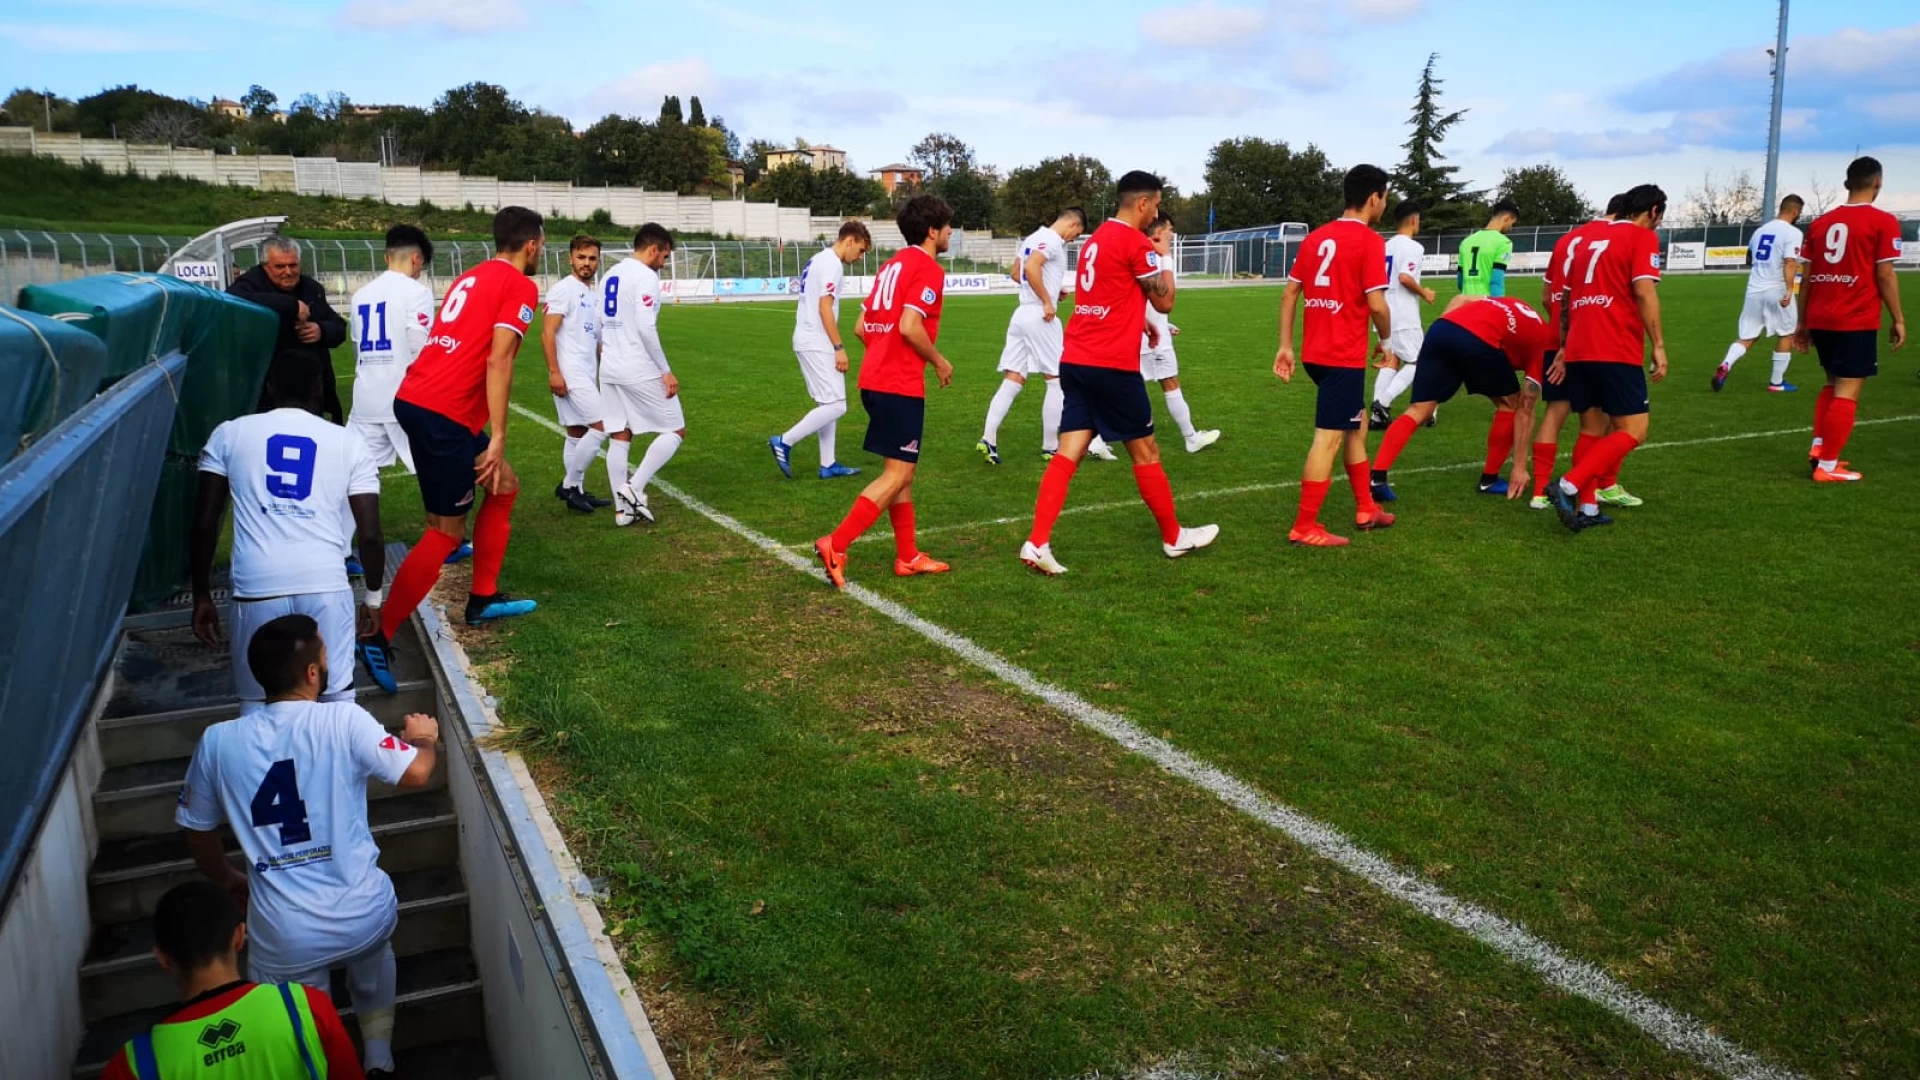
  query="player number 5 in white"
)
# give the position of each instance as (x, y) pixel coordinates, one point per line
(456, 300)
(1327, 249)
(1836, 243)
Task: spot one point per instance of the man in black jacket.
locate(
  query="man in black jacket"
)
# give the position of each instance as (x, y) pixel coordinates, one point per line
(308, 324)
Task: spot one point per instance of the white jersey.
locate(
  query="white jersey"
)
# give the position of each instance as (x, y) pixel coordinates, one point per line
(388, 323)
(630, 349)
(291, 780)
(290, 472)
(1771, 246)
(821, 280)
(578, 340)
(1160, 321)
(1403, 304)
(1053, 273)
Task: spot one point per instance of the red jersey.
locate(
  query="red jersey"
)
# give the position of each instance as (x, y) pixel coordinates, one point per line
(1554, 282)
(1108, 317)
(450, 375)
(343, 1062)
(1338, 265)
(911, 279)
(1509, 325)
(1605, 260)
(1843, 249)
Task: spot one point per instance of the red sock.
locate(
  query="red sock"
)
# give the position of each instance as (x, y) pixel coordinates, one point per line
(417, 575)
(1394, 441)
(901, 514)
(1580, 447)
(1609, 479)
(1604, 457)
(1499, 440)
(858, 520)
(491, 527)
(1820, 406)
(1359, 475)
(1838, 428)
(1157, 493)
(1544, 454)
(1312, 494)
(1053, 498)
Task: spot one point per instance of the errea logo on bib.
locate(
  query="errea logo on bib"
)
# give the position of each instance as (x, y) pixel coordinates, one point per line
(526, 313)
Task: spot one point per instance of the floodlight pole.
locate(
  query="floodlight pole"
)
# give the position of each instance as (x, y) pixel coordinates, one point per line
(1773, 130)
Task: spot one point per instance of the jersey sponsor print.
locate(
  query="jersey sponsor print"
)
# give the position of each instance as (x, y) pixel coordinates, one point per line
(1604, 262)
(1108, 317)
(911, 279)
(450, 375)
(1844, 249)
(1338, 265)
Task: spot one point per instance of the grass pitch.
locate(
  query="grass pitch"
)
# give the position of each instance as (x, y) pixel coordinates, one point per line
(1682, 748)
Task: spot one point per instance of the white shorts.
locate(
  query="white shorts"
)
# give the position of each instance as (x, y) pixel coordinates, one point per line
(1762, 315)
(581, 405)
(384, 440)
(825, 384)
(1406, 343)
(1033, 344)
(370, 973)
(640, 407)
(1157, 364)
(336, 614)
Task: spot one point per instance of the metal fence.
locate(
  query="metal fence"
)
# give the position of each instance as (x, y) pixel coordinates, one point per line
(73, 519)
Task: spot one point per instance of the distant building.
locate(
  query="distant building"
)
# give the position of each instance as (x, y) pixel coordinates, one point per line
(367, 111)
(827, 157)
(227, 107)
(897, 175)
(777, 159)
(813, 157)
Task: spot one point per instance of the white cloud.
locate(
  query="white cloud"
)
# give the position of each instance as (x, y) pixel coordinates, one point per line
(1127, 94)
(811, 29)
(638, 92)
(1204, 25)
(1384, 11)
(447, 16)
(1309, 67)
(84, 39)
(1895, 108)
(1582, 144)
(851, 106)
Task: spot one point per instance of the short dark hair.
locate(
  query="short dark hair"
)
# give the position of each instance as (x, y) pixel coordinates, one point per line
(1077, 213)
(1862, 171)
(1504, 206)
(922, 216)
(1407, 208)
(293, 381)
(514, 227)
(1792, 202)
(581, 241)
(193, 924)
(401, 237)
(1135, 184)
(652, 234)
(1363, 182)
(856, 230)
(1164, 221)
(281, 651)
(1616, 204)
(1641, 199)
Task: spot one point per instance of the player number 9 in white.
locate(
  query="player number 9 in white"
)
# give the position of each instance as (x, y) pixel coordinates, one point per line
(1086, 266)
(1327, 249)
(456, 300)
(1836, 243)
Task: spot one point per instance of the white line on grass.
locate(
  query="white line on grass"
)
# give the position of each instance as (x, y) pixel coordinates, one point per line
(1672, 1029)
(1283, 485)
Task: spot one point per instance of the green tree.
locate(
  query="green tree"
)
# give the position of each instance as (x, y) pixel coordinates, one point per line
(1544, 195)
(259, 102)
(610, 151)
(27, 107)
(755, 160)
(468, 121)
(1252, 181)
(670, 110)
(789, 185)
(1445, 200)
(114, 111)
(1034, 195)
(941, 154)
(970, 194)
(696, 116)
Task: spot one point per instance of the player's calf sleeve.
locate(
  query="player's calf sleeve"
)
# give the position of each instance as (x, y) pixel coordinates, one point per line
(1360, 477)
(858, 520)
(1499, 440)
(1837, 429)
(1394, 441)
(1052, 401)
(1053, 497)
(1544, 454)
(997, 409)
(617, 450)
(658, 454)
(416, 577)
(1313, 494)
(900, 515)
(492, 524)
(1157, 493)
(1182, 416)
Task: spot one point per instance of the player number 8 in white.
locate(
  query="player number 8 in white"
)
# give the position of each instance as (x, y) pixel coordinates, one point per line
(1836, 243)
(1327, 248)
(1086, 266)
(456, 300)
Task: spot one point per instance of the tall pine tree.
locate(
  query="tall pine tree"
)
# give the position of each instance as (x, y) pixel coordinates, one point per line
(1445, 201)
(696, 116)
(670, 110)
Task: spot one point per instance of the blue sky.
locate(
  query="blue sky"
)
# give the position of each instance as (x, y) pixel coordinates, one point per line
(1665, 97)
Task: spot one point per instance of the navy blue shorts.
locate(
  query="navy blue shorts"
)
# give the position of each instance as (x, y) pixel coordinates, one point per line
(1614, 389)
(1341, 403)
(1848, 354)
(1107, 401)
(1452, 357)
(895, 423)
(1550, 390)
(443, 455)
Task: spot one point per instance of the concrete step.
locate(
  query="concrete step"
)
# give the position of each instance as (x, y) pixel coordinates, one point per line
(438, 1006)
(121, 975)
(162, 669)
(415, 831)
(135, 740)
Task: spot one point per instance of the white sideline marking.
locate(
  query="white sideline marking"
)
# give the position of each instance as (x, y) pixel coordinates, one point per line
(1283, 485)
(1672, 1029)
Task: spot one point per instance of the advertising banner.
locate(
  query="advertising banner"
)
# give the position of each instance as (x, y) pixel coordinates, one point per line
(1690, 255)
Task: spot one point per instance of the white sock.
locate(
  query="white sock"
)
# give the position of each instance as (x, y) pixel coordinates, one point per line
(1051, 403)
(617, 462)
(378, 1054)
(1589, 509)
(828, 455)
(1402, 381)
(1780, 362)
(1383, 392)
(1177, 408)
(566, 460)
(580, 456)
(818, 418)
(1734, 352)
(1564, 485)
(997, 409)
(655, 459)
(1829, 464)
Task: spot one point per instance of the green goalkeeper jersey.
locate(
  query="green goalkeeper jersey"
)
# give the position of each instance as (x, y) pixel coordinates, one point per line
(1480, 255)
